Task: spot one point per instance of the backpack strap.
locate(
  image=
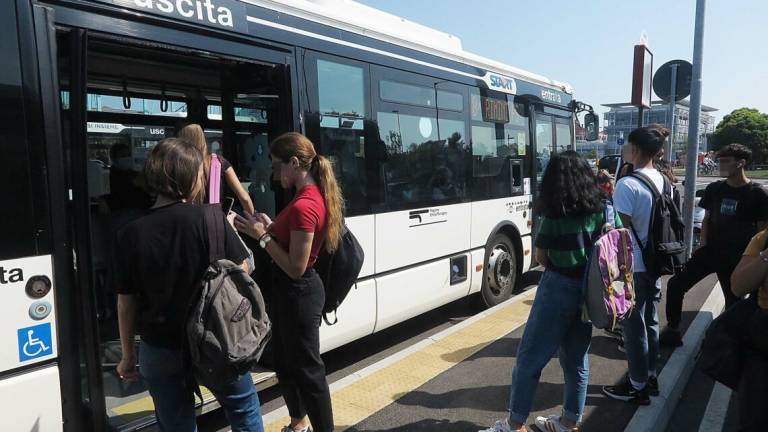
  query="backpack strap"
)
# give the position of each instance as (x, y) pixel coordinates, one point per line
(214, 223)
(648, 183)
(610, 217)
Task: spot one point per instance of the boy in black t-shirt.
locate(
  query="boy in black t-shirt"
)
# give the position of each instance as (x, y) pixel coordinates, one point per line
(736, 209)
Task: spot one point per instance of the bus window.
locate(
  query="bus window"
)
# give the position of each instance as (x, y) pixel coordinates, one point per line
(544, 144)
(336, 123)
(563, 135)
(499, 134)
(426, 159)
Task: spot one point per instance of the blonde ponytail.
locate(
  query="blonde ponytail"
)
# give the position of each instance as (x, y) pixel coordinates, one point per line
(194, 134)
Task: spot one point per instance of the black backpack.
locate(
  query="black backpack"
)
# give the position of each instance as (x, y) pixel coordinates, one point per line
(227, 326)
(664, 250)
(339, 271)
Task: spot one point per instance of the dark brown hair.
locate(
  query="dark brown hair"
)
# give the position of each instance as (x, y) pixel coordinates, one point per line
(649, 139)
(736, 151)
(173, 169)
(294, 144)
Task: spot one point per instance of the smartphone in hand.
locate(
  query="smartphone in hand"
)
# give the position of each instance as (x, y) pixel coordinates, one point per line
(226, 204)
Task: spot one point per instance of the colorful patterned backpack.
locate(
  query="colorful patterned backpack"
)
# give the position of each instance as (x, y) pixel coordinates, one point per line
(609, 294)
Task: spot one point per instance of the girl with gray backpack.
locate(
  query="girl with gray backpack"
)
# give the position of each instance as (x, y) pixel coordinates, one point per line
(161, 258)
(573, 217)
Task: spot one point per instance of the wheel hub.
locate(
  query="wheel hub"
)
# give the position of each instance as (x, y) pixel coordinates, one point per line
(500, 269)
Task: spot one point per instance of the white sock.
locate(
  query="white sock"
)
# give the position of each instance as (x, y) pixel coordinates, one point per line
(637, 385)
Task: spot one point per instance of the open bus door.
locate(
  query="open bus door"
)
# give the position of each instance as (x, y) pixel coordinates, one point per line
(113, 113)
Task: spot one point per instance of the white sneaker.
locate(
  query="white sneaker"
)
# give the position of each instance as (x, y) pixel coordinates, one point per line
(503, 426)
(551, 424)
(290, 429)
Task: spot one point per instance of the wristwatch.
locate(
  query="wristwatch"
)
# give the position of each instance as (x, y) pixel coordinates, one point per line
(265, 239)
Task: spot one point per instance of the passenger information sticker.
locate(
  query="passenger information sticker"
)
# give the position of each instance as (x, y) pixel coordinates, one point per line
(27, 312)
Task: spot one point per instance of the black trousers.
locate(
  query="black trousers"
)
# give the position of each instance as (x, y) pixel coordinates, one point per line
(752, 395)
(705, 261)
(296, 330)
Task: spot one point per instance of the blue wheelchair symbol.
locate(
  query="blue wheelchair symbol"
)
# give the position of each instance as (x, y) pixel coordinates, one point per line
(35, 342)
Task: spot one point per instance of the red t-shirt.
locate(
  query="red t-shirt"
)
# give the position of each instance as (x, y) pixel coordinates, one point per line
(305, 213)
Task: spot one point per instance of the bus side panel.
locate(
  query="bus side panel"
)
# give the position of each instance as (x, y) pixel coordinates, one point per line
(405, 238)
(486, 215)
(356, 317)
(407, 293)
(31, 401)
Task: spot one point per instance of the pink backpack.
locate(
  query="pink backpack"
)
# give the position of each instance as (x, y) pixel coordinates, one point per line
(609, 289)
(214, 180)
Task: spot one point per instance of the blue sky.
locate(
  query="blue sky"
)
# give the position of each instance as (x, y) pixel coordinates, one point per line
(588, 43)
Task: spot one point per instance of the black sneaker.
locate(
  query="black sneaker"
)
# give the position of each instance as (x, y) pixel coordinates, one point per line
(620, 344)
(671, 338)
(626, 393)
(653, 386)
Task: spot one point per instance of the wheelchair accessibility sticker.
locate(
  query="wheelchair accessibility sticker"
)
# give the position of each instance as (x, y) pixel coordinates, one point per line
(35, 342)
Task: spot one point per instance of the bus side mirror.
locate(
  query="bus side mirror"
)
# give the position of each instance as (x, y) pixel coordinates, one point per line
(591, 124)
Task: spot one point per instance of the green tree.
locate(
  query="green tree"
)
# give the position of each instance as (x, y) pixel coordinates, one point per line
(746, 126)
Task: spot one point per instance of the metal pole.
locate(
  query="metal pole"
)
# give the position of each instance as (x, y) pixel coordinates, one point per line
(693, 125)
(672, 103)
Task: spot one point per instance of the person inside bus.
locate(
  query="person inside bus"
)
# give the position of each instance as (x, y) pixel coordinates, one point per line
(443, 187)
(160, 259)
(311, 221)
(194, 134)
(573, 214)
(125, 191)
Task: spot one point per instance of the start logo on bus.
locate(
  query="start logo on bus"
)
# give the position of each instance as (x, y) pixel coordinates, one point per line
(500, 83)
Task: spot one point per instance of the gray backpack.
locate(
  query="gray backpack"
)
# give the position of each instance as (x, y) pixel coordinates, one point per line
(227, 325)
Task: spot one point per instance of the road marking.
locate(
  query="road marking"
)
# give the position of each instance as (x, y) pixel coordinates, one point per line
(717, 408)
(361, 394)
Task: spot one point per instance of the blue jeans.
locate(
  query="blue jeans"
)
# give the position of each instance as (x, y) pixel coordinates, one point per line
(554, 324)
(163, 373)
(641, 329)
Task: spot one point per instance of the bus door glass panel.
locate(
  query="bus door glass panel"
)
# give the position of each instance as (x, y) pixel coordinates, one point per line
(423, 134)
(544, 144)
(499, 145)
(563, 134)
(252, 114)
(337, 120)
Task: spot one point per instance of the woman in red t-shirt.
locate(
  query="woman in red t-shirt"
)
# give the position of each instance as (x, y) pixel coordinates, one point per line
(312, 220)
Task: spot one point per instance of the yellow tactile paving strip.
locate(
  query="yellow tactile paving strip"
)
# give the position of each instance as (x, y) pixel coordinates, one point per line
(144, 406)
(359, 400)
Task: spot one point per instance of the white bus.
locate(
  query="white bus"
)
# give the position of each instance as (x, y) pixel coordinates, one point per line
(438, 151)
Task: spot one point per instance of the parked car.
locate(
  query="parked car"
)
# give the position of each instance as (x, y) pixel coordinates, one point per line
(609, 163)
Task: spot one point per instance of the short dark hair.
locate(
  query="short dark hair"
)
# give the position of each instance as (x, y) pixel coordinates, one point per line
(736, 151)
(569, 187)
(173, 168)
(649, 139)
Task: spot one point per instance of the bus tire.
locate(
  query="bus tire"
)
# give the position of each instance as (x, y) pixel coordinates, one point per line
(500, 271)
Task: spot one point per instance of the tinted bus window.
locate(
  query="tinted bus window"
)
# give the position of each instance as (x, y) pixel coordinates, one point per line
(499, 134)
(423, 167)
(392, 91)
(336, 124)
(19, 183)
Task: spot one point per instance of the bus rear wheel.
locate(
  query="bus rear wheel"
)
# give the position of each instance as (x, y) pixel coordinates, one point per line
(500, 272)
